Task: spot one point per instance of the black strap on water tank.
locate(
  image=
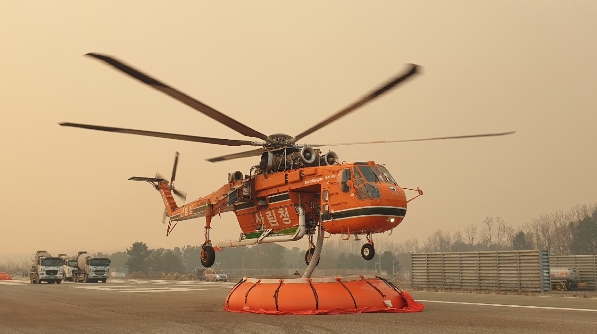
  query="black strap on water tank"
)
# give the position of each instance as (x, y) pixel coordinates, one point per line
(315, 294)
(232, 290)
(251, 288)
(276, 295)
(381, 293)
(351, 296)
(391, 285)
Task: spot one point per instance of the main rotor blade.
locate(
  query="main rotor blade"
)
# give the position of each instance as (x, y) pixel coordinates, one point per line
(383, 89)
(217, 141)
(174, 169)
(421, 139)
(180, 96)
(245, 154)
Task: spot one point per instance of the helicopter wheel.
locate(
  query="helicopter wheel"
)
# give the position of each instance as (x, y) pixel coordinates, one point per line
(208, 256)
(309, 256)
(367, 251)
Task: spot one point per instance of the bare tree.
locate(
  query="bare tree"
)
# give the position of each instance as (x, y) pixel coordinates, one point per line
(561, 233)
(471, 234)
(411, 245)
(487, 233)
(438, 242)
(579, 212)
(457, 237)
(510, 233)
(500, 232)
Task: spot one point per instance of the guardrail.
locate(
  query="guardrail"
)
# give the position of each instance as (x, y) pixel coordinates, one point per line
(499, 270)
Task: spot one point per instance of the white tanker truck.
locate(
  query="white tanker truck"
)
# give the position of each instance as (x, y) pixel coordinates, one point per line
(563, 278)
(45, 268)
(91, 269)
(69, 264)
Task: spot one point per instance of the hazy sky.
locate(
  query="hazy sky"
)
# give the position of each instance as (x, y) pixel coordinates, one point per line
(283, 66)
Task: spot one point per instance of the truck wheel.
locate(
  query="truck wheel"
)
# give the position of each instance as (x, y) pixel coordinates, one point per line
(104, 280)
(58, 281)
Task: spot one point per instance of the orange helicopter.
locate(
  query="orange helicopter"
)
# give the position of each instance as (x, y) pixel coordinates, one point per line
(295, 187)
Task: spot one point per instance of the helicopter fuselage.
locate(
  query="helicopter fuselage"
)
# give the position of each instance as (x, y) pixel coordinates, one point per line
(349, 198)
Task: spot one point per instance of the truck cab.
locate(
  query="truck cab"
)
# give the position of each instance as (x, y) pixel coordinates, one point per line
(91, 269)
(69, 266)
(46, 269)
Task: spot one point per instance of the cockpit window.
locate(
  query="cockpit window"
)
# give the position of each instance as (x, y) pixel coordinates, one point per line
(379, 175)
(358, 178)
(387, 174)
(345, 177)
(368, 191)
(368, 173)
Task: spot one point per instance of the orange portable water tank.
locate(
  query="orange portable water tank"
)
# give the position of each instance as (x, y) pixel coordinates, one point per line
(327, 295)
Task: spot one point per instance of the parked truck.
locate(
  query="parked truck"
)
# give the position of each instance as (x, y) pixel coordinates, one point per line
(45, 268)
(91, 269)
(69, 265)
(563, 278)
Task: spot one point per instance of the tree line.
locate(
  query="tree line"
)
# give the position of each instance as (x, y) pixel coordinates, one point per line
(572, 232)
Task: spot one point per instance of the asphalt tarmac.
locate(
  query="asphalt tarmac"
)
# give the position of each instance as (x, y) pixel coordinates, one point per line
(136, 306)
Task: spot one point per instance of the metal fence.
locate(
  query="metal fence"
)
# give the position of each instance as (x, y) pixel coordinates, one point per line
(586, 265)
(499, 270)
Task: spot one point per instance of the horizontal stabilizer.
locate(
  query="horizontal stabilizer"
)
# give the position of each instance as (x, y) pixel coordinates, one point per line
(149, 179)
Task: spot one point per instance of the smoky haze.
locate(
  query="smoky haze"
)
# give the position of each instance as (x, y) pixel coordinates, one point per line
(490, 66)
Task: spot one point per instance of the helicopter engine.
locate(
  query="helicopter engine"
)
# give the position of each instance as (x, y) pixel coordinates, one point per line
(308, 154)
(293, 158)
(236, 176)
(330, 158)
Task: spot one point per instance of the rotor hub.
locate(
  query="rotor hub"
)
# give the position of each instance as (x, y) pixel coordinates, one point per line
(279, 141)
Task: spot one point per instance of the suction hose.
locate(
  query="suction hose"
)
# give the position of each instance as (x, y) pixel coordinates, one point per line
(316, 253)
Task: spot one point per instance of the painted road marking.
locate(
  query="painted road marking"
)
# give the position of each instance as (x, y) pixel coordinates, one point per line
(513, 306)
(162, 290)
(14, 282)
(139, 289)
(156, 286)
(140, 286)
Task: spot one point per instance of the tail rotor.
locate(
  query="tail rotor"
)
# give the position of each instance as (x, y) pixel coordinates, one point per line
(175, 191)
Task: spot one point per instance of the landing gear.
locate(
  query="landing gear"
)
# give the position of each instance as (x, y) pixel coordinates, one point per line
(208, 256)
(368, 250)
(309, 256)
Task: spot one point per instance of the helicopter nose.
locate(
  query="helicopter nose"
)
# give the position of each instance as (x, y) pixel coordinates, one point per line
(393, 193)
